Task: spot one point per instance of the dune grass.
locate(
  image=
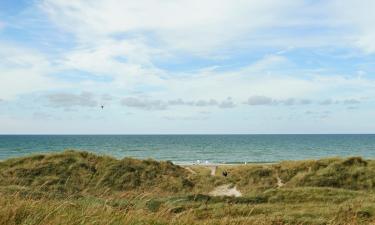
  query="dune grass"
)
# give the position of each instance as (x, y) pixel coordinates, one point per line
(82, 188)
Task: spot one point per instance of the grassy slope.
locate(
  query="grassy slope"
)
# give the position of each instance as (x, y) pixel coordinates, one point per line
(82, 188)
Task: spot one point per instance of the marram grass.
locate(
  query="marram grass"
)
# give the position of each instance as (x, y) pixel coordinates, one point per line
(82, 188)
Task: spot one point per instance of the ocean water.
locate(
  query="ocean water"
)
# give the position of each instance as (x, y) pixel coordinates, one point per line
(190, 148)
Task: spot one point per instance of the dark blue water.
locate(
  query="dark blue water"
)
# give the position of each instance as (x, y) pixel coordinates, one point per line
(190, 148)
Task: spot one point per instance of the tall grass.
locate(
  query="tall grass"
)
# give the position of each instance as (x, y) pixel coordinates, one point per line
(82, 188)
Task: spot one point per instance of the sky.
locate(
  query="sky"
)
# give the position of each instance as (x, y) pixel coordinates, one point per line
(187, 66)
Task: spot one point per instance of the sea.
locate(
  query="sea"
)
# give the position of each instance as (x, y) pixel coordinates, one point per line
(188, 149)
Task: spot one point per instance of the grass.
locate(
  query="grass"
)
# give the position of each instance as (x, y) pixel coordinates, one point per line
(76, 173)
(82, 188)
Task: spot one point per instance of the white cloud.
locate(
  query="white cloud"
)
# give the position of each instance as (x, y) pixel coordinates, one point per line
(145, 104)
(358, 18)
(123, 39)
(351, 101)
(211, 27)
(23, 71)
(196, 26)
(126, 42)
(264, 100)
(68, 100)
(240, 83)
(157, 104)
(260, 100)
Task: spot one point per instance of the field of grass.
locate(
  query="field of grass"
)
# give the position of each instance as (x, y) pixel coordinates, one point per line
(82, 188)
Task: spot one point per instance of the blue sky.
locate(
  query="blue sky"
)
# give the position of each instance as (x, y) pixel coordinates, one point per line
(187, 66)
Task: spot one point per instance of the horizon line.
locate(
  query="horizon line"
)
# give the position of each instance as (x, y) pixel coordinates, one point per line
(170, 134)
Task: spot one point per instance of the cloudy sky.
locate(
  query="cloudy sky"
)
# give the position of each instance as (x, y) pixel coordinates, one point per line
(187, 66)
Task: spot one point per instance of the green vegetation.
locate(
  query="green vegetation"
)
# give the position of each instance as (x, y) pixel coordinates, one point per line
(82, 188)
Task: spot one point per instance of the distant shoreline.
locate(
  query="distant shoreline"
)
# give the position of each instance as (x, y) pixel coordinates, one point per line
(184, 164)
(227, 164)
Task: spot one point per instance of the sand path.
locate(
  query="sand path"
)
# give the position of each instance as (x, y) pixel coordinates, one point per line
(226, 190)
(279, 181)
(213, 170)
(190, 170)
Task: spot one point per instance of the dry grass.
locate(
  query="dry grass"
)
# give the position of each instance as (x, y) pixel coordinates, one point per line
(82, 188)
